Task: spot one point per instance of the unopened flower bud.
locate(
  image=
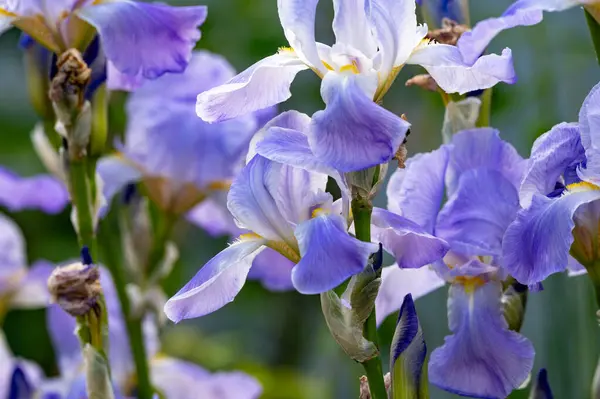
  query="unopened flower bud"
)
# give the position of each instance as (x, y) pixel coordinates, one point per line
(365, 183)
(67, 89)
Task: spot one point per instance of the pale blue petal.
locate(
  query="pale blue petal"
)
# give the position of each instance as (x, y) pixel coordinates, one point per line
(329, 254)
(216, 283)
(396, 283)
(353, 132)
(115, 173)
(482, 358)
(409, 243)
(262, 85)
(42, 192)
(537, 243)
(589, 123)
(214, 218)
(12, 253)
(476, 215)
(352, 26)
(453, 74)
(33, 290)
(273, 270)
(146, 39)
(416, 192)
(61, 327)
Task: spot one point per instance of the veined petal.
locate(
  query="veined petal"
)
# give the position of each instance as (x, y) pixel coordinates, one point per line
(216, 283)
(410, 244)
(482, 358)
(589, 120)
(477, 214)
(273, 270)
(329, 254)
(352, 26)
(416, 192)
(446, 65)
(264, 84)
(537, 243)
(551, 154)
(297, 19)
(397, 282)
(147, 39)
(12, 252)
(33, 291)
(42, 192)
(353, 132)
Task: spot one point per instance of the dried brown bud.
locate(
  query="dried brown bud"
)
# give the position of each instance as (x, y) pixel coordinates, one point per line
(402, 152)
(424, 81)
(75, 288)
(365, 393)
(68, 85)
(449, 33)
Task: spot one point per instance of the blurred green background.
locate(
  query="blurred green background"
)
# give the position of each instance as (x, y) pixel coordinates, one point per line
(281, 338)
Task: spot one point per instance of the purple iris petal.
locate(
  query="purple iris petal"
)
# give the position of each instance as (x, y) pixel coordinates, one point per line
(352, 27)
(212, 216)
(42, 192)
(541, 388)
(329, 254)
(115, 173)
(353, 132)
(537, 243)
(297, 19)
(482, 358)
(216, 283)
(262, 85)
(417, 191)
(12, 252)
(589, 127)
(551, 154)
(410, 244)
(477, 214)
(273, 270)
(147, 39)
(396, 283)
(453, 74)
(33, 290)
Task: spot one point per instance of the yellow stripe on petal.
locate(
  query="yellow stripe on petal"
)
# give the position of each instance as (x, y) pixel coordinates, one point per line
(249, 236)
(6, 13)
(353, 67)
(582, 187)
(469, 283)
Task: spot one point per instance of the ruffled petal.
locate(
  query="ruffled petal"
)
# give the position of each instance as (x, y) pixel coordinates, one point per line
(482, 358)
(353, 132)
(397, 282)
(446, 65)
(476, 216)
(416, 192)
(551, 154)
(273, 270)
(216, 284)
(329, 254)
(297, 19)
(409, 243)
(42, 192)
(12, 252)
(264, 84)
(537, 243)
(145, 39)
(352, 27)
(33, 292)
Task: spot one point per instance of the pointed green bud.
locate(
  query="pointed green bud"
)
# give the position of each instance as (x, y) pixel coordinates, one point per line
(541, 387)
(460, 115)
(97, 375)
(514, 302)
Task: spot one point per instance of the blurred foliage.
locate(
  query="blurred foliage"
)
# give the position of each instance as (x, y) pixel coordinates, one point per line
(281, 338)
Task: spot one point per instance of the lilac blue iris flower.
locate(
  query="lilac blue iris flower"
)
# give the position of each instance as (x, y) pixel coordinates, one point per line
(479, 174)
(17, 376)
(374, 40)
(141, 40)
(40, 192)
(436, 10)
(560, 195)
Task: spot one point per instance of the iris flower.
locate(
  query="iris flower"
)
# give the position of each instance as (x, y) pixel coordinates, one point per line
(479, 174)
(560, 195)
(374, 40)
(437, 10)
(139, 39)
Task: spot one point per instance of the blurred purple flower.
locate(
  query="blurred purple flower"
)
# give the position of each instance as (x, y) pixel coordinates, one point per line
(560, 195)
(436, 10)
(42, 192)
(374, 39)
(18, 378)
(140, 40)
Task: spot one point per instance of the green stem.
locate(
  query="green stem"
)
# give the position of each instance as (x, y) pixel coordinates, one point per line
(594, 274)
(361, 211)
(165, 224)
(81, 197)
(594, 28)
(486, 109)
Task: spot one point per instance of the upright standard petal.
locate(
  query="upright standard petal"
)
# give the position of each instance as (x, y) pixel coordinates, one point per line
(329, 254)
(352, 25)
(216, 284)
(396, 283)
(42, 192)
(410, 244)
(416, 192)
(552, 153)
(353, 132)
(482, 358)
(446, 65)
(264, 84)
(537, 243)
(147, 39)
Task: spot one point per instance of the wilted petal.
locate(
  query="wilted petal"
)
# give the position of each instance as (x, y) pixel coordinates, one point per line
(551, 154)
(353, 132)
(273, 270)
(147, 39)
(417, 191)
(446, 65)
(42, 192)
(477, 214)
(33, 290)
(352, 27)
(216, 283)
(297, 18)
(537, 243)
(396, 283)
(410, 244)
(264, 84)
(329, 254)
(482, 358)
